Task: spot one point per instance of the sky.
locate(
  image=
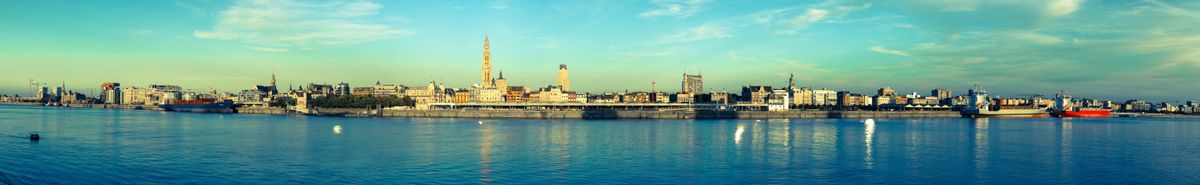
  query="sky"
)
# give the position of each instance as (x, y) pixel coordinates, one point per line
(1116, 49)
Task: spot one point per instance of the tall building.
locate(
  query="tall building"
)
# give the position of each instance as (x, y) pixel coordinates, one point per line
(942, 94)
(486, 78)
(563, 81)
(111, 92)
(886, 91)
(693, 83)
(342, 89)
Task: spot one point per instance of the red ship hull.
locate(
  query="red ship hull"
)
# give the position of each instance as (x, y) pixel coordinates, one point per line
(1084, 113)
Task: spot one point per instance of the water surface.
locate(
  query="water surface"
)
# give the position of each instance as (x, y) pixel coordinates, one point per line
(109, 146)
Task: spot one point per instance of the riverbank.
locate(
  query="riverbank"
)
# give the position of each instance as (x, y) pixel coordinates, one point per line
(599, 114)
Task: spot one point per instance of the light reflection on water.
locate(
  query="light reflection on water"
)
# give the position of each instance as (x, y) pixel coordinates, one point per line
(99, 146)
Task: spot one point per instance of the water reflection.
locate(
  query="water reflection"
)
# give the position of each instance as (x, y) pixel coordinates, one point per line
(737, 135)
(869, 132)
(981, 146)
(485, 153)
(1065, 143)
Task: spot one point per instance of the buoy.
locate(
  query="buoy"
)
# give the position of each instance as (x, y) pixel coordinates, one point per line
(34, 137)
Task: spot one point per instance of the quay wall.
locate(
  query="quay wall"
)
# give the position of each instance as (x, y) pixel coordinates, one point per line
(261, 110)
(569, 114)
(113, 106)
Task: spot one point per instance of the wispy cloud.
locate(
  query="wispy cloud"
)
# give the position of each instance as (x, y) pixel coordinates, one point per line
(678, 8)
(647, 54)
(702, 32)
(498, 6)
(291, 24)
(1035, 37)
(880, 49)
(266, 49)
(791, 20)
(142, 32)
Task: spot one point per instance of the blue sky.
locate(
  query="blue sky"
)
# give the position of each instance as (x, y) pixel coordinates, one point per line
(1106, 49)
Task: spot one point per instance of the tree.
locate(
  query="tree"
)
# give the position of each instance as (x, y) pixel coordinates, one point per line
(283, 102)
(353, 101)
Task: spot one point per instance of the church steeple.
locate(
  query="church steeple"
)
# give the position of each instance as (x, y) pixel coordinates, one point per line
(486, 77)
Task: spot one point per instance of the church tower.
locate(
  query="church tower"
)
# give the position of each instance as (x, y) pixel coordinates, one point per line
(563, 80)
(486, 79)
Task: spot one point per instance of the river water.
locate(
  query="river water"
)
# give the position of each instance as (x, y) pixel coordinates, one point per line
(110, 146)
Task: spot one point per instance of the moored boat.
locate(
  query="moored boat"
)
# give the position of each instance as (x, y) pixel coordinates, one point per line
(202, 106)
(980, 107)
(1064, 107)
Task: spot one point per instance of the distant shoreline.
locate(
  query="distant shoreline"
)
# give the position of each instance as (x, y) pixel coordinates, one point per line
(581, 114)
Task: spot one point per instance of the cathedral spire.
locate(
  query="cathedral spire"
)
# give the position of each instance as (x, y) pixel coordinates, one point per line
(486, 77)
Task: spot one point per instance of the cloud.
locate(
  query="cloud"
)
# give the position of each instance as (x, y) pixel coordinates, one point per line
(880, 49)
(677, 8)
(1061, 7)
(702, 32)
(791, 20)
(498, 6)
(647, 54)
(1035, 37)
(291, 24)
(266, 49)
(142, 32)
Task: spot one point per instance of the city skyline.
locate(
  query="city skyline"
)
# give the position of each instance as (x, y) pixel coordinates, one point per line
(1033, 47)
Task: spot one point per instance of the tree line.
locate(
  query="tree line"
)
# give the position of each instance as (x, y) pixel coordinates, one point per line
(352, 101)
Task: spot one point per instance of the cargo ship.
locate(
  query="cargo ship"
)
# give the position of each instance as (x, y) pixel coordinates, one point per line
(980, 107)
(202, 106)
(1063, 107)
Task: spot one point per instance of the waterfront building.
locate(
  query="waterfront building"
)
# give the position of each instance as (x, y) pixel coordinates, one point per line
(110, 93)
(755, 94)
(886, 91)
(881, 100)
(250, 96)
(683, 97)
(431, 93)
(660, 97)
(824, 97)
(802, 96)
(848, 100)
(635, 97)
(73, 97)
(342, 89)
(605, 98)
(693, 83)
(319, 90)
(501, 84)
(778, 100)
(578, 97)
(551, 94)
(1166, 107)
(387, 90)
(362, 91)
(719, 97)
(516, 94)
(563, 80)
(487, 94)
(486, 76)
(941, 94)
(462, 96)
(925, 101)
(139, 96)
